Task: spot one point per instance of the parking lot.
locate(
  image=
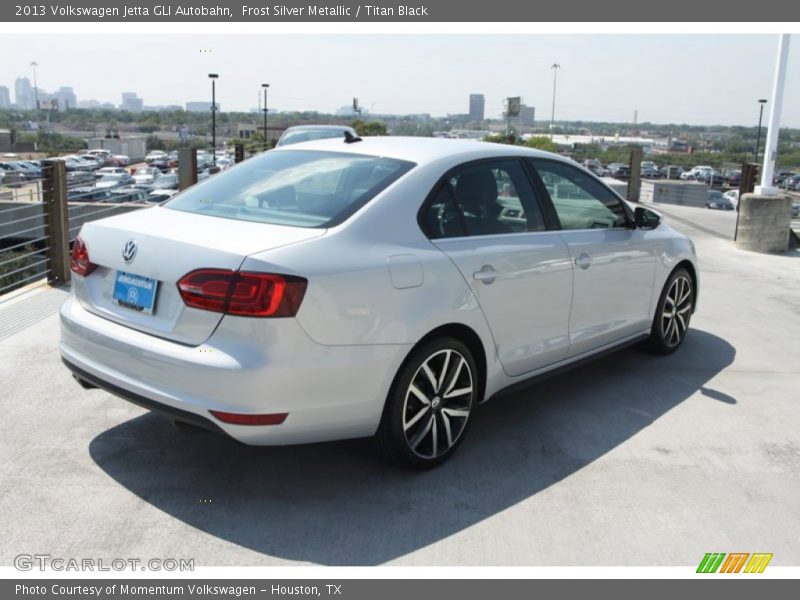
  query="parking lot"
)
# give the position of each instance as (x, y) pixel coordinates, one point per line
(631, 460)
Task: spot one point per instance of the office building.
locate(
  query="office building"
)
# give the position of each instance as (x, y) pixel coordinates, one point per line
(477, 107)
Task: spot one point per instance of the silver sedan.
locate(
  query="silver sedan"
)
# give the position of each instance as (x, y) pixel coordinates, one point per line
(378, 287)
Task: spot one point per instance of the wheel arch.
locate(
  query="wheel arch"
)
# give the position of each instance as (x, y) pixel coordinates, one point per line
(690, 267)
(464, 333)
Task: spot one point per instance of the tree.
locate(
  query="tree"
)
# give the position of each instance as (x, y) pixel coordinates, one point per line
(369, 127)
(542, 143)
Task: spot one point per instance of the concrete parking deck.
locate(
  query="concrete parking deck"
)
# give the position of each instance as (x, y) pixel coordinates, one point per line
(632, 460)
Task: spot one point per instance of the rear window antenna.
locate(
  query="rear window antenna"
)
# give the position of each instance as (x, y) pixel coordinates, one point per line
(349, 138)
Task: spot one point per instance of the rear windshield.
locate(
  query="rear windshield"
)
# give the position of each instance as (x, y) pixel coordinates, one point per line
(300, 188)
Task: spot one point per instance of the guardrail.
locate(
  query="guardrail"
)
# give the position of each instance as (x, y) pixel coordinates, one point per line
(39, 219)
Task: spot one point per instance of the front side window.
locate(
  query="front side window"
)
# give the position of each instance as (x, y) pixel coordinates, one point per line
(580, 201)
(484, 198)
(299, 188)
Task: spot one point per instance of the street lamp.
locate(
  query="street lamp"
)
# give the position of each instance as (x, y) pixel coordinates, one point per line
(555, 68)
(761, 103)
(213, 77)
(265, 86)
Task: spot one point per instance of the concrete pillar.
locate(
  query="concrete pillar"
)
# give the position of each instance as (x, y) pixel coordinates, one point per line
(764, 223)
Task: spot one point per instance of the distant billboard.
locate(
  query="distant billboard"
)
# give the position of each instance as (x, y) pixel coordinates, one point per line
(513, 105)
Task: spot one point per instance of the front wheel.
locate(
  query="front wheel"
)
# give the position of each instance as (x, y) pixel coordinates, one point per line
(428, 409)
(673, 313)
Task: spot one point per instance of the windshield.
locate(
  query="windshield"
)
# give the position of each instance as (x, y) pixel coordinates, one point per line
(300, 188)
(166, 181)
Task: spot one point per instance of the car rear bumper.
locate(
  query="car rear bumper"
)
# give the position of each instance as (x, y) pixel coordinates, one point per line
(248, 366)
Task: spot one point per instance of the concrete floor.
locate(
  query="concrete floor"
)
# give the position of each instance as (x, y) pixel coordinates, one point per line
(632, 460)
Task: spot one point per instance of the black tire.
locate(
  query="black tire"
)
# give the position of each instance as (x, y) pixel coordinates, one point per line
(419, 435)
(673, 313)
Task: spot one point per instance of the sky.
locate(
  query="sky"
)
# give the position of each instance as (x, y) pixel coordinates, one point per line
(668, 78)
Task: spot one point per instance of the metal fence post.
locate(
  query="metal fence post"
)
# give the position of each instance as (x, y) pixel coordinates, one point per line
(187, 168)
(635, 176)
(54, 190)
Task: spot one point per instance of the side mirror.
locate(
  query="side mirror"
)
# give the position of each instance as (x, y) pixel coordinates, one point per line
(646, 219)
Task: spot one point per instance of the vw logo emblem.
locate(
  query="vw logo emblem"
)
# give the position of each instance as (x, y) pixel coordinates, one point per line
(129, 251)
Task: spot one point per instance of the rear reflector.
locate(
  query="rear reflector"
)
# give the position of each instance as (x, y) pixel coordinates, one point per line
(239, 419)
(80, 262)
(243, 293)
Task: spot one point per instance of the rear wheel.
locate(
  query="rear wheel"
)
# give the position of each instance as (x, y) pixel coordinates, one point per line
(673, 313)
(429, 407)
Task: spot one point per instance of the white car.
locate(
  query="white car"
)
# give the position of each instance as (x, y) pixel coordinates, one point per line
(110, 171)
(383, 286)
(154, 154)
(146, 175)
(733, 196)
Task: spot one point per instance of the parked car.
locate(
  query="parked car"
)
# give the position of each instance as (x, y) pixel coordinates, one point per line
(79, 178)
(732, 196)
(153, 155)
(379, 287)
(779, 177)
(111, 171)
(619, 171)
(73, 163)
(795, 209)
(306, 133)
(671, 172)
(129, 194)
(119, 160)
(791, 183)
(146, 176)
(710, 178)
(11, 177)
(161, 195)
(718, 201)
(95, 162)
(162, 163)
(734, 177)
(88, 194)
(115, 180)
(24, 173)
(650, 173)
(34, 166)
(166, 182)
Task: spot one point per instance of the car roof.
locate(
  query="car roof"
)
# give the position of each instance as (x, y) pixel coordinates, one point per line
(419, 149)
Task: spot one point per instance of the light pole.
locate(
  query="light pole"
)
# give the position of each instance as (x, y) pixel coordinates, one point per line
(265, 86)
(761, 102)
(213, 77)
(555, 68)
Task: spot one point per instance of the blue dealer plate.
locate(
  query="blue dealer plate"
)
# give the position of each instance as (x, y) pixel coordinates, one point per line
(136, 292)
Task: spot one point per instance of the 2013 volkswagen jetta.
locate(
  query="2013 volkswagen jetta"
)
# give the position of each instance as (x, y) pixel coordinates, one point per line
(384, 286)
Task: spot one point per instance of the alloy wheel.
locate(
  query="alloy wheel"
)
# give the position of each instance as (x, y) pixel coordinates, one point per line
(438, 403)
(677, 310)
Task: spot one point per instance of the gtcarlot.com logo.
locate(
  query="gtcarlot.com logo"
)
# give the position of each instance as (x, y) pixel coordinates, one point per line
(734, 562)
(43, 562)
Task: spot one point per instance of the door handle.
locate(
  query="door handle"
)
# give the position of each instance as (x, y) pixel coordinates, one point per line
(487, 274)
(584, 261)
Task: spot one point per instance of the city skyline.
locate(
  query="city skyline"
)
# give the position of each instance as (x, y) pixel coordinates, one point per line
(691, 79)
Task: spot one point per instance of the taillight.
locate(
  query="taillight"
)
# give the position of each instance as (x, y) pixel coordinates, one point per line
(80, 263)
(243, 293)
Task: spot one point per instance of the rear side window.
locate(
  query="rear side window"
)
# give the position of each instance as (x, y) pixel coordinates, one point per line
(300, 188)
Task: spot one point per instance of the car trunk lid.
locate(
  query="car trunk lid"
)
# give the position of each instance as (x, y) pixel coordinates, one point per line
(170, 244)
